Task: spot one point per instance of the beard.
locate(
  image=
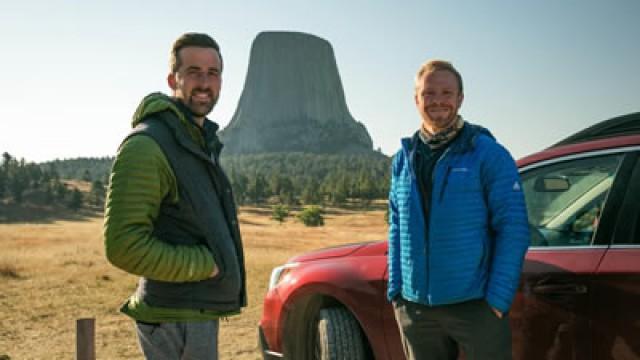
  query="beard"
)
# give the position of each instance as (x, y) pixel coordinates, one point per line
(441, 117)
(200, 108)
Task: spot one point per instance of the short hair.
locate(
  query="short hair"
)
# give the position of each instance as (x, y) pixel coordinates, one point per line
(191, 39)
(436, 65)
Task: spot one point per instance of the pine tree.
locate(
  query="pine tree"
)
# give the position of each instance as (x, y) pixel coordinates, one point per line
(61, 190)
(275, 183)
(311, 194)
(76, 200)
(287, 191)
(49, 193)
(239, 184)
(98, 192)
(3, 182)
(5, 173)
(367, 189)
(257, 188)
(6, 160)
(18, 181)
(86, 176)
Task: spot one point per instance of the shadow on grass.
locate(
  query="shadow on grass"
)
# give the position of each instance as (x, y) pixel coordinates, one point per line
(248, 222)
(11, 272)
(265, 209)
(262, 210)
(38, 214)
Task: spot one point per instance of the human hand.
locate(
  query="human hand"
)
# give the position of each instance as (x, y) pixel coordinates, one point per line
(498, 313)
(215, 271)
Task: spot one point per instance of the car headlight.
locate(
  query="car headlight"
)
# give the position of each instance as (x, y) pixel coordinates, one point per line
(278, 273)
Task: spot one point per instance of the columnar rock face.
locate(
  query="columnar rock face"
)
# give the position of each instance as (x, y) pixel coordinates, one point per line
(293, 101)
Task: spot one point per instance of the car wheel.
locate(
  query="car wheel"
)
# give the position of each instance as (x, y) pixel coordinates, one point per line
(338, 336)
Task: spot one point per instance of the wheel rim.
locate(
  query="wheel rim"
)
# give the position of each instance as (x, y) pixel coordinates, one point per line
(317, 347)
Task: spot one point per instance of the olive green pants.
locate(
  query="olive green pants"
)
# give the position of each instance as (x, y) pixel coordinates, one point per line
(438, 332)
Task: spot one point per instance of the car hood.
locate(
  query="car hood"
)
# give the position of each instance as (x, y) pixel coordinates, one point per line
(332, 252)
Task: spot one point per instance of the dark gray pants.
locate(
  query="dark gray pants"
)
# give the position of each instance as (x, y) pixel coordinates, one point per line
(434, 333)
(179, 341)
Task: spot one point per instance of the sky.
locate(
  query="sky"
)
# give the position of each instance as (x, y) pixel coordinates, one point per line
(534, 71)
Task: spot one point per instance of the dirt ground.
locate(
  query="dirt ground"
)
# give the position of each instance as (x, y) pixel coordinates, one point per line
(55, 272)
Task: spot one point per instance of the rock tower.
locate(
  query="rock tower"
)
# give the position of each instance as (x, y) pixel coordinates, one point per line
(293, 101)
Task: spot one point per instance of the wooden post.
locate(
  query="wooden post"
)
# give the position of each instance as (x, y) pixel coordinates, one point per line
(85, 339)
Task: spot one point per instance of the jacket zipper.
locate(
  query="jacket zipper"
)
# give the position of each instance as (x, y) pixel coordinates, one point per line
(444, 185)
(427, 249)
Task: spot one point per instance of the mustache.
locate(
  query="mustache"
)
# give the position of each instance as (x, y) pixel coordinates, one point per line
(206, 91)
(447, 106)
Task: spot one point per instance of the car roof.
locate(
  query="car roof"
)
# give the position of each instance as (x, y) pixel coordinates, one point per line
(619, 126)
(619, 132)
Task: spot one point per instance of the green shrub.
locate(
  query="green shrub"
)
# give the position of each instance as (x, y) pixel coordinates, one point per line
(311, 216)
(279, 212)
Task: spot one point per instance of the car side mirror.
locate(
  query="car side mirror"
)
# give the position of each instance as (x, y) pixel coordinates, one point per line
(555, 183)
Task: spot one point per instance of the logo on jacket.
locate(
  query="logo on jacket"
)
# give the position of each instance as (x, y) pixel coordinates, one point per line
(516, 186)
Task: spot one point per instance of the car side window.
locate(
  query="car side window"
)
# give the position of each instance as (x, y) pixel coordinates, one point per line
(627, 230)
(565, 200)
(635, 226)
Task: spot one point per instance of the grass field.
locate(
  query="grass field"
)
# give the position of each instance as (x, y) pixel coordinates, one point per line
(54, 273)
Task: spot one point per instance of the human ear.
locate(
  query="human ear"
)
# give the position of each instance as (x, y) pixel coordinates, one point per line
(171, 80)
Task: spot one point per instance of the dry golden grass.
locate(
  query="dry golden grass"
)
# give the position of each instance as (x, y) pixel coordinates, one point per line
(52, 274)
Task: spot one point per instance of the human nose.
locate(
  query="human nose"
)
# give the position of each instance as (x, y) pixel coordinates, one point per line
(438, 98)
(204, 77)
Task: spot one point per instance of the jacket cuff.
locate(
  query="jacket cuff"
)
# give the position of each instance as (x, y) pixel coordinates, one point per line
(498, 303)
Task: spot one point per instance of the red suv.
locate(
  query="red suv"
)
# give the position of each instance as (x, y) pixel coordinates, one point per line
(579, 296)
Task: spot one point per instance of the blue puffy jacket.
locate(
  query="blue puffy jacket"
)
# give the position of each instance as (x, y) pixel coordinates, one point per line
(478, 230)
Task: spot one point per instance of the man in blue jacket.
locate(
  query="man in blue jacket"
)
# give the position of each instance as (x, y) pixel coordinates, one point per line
(458, 229)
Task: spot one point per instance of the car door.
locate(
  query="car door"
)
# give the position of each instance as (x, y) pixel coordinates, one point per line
(566, 200)
(616, 287)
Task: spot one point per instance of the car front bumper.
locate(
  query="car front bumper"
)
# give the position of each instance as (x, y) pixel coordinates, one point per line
(264, 348)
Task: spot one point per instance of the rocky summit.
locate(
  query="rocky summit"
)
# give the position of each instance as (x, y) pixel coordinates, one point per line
(293, 101)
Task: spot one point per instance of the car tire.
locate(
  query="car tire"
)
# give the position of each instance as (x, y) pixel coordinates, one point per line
(338, 336)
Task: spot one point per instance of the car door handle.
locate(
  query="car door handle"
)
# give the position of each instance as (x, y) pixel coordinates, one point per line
(560, 289)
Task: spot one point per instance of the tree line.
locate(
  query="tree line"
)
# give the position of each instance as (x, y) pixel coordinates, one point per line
(302, 178)
(285, 178)
(83, 168)
(42, 184)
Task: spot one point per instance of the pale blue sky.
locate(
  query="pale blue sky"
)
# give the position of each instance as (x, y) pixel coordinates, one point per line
(534, 71)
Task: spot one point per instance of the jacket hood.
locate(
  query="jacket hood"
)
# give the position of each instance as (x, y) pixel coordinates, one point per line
(156, 103)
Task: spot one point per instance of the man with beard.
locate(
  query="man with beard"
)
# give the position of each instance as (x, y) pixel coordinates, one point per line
(170, 216)
(458, 229)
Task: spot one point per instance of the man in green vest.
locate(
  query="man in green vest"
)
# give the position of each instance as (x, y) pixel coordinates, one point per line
(170, 217)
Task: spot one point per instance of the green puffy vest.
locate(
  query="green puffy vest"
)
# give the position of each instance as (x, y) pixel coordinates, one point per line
(204, 214)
